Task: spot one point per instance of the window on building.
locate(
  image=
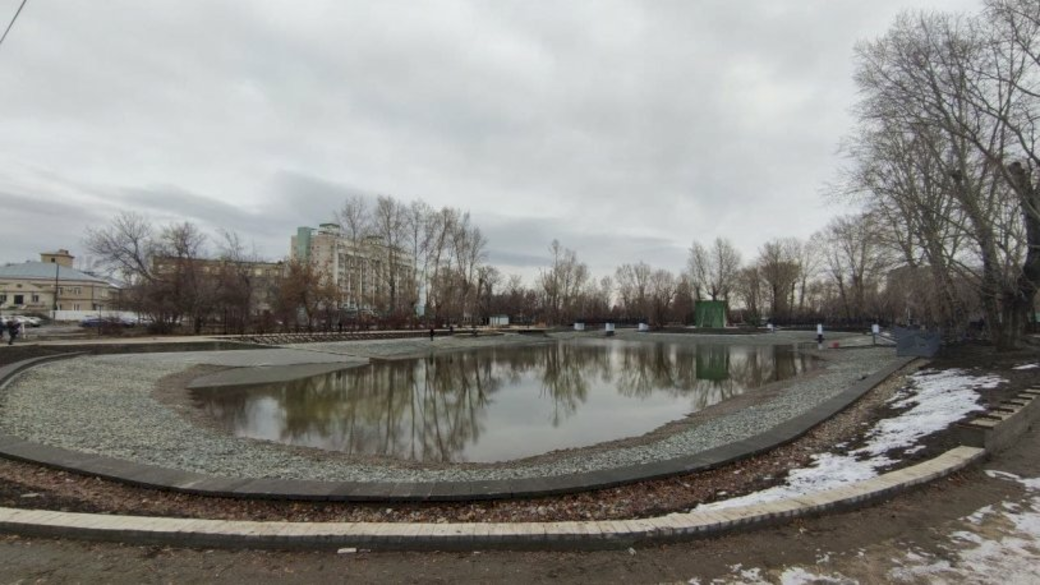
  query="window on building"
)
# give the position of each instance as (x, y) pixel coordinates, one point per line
(3, 299)
(35, 298)
(19, 299)
(75, 306)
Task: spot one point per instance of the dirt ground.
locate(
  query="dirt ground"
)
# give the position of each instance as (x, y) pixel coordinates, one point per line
(32, 486)
(862, 546)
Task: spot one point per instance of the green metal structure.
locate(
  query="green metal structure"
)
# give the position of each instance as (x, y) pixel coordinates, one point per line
(710, 314)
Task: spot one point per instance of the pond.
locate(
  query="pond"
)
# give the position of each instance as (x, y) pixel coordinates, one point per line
(499, 404)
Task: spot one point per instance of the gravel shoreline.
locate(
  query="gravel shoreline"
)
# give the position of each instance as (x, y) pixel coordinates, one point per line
(105, 405)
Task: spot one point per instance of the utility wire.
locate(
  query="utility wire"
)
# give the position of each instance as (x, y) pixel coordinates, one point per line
(14, 18)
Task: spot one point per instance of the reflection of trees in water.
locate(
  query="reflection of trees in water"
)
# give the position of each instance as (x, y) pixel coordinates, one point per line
(705, 374)
(431, 409)
(426, 410)
(564, 379)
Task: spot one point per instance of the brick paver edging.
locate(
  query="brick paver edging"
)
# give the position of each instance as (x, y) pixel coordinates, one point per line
(155, 477)
(527, 535)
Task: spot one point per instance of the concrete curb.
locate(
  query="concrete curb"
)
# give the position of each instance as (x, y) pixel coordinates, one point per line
(522, 535)
(9, 371)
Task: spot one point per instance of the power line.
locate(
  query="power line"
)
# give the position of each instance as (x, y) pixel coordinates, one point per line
(14, 18)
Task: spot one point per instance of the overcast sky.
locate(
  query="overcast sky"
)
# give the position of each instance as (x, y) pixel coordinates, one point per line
(626, 129)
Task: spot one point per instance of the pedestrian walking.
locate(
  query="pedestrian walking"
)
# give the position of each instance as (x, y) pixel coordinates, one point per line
(12, 330)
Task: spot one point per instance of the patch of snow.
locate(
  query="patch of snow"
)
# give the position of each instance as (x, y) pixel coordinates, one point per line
(935, 400)
(1010, 556)
(1032, 484)
(966, 536)
(1026, 367)
(979, 515)
(752, 575)
(916, 556)
(799, 576)
(932, 401)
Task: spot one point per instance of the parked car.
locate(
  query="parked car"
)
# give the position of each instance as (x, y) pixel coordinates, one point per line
(106, 322)
(28, 320)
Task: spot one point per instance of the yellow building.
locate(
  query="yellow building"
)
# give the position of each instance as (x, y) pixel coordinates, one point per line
(52, 283)
(261, 275)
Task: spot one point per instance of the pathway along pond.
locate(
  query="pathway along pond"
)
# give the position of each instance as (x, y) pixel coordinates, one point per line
(501, 403)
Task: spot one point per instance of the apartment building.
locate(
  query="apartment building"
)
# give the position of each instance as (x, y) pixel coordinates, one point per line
(364, 270)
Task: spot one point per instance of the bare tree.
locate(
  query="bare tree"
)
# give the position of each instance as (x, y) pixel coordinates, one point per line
(160, 270)
(968, 84)
(125, 247)
(389, 223)
(562, 283)
(633, 287)
(779, 270)
(750, 290)
(856, 262)
(305, 291)
(354, 218)
(714, 269)
(662, 286)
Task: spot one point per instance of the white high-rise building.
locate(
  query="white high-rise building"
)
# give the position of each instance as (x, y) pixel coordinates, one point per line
(369, 274)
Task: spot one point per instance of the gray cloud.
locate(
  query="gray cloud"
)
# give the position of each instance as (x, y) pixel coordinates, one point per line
(624, 129)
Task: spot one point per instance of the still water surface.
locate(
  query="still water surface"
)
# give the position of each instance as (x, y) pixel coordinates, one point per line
(498, 404)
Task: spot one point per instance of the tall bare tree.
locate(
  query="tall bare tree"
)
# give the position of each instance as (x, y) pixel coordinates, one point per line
(562, 283)
(779, 270)
(857, 263)
(968, 85)
(713, 270)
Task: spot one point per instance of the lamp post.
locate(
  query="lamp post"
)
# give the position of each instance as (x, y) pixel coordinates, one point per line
(54, 314)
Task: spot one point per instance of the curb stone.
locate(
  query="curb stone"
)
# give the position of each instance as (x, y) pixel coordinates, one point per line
(474, 536)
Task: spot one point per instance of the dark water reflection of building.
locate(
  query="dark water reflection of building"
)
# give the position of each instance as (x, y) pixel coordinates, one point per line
(498, 403)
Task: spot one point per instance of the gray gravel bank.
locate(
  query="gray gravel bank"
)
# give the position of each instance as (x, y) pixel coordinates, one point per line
(104, 405)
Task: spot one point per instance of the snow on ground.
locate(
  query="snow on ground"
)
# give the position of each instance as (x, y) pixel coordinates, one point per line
(997, 544)
(932, 401)
(1026, 367)
(1000, 545)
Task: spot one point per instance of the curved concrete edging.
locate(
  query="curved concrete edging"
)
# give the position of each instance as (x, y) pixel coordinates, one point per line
(430, 536)
(11, 370)
(155, 477)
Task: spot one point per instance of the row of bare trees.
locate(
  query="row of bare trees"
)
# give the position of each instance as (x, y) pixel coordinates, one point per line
(434, 258)
(173, 279)
(945, 159)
